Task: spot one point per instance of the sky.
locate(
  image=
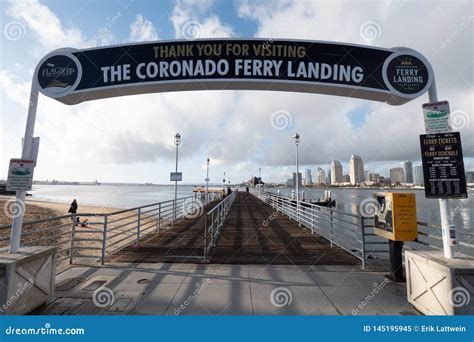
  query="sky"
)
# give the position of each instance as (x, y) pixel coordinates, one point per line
(131, 139)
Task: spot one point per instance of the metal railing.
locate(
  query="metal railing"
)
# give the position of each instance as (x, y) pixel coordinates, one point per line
(98, 235)
(354, 232)
(338, 227)
(214, 220)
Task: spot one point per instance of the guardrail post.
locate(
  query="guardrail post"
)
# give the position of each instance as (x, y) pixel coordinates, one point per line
(312, 220)
(205, 237)
(158, 226)
(362, 229)
(289, 212)
(138, 223)
(331, 226)
(73, 235)
(104, 240)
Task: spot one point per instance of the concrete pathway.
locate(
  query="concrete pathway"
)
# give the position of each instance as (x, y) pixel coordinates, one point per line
(193, 289)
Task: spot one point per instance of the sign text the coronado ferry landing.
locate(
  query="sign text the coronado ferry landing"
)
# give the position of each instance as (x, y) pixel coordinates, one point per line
(392, 75)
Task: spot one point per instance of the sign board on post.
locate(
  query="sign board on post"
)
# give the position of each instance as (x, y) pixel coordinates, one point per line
(20, 175)
(436, 117)
(176, 176)
(443, 165)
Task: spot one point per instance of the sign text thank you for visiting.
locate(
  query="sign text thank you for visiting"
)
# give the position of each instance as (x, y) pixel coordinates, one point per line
(392, 75)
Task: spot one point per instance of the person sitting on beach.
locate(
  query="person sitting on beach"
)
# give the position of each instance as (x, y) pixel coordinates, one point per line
(73, 209)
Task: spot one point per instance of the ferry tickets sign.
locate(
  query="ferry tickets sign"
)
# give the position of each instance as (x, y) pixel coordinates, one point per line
(395, 76)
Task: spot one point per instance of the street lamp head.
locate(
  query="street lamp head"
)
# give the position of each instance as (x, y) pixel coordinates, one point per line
(177, 139)
(208, 160)
(296, 137)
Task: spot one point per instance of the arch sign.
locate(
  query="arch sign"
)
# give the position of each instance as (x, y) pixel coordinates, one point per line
(395, 76)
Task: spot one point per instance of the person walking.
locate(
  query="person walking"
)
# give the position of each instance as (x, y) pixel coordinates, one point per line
(73, 209)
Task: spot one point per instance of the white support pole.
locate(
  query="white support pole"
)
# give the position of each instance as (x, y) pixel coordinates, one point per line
(297, 179)
(207, 182)
(15, 234)
(176, 186)
(443, 203)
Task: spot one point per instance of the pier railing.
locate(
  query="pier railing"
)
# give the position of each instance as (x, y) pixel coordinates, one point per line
(214, 220)
(340, 228)
(97, 235)
(354, 232)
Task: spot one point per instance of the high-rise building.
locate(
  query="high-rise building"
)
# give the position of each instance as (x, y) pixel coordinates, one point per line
(299, 179)
(321, 177)
(356, 169)
(469, 176)
(308, 180)
(346, 179)
(418, 175)
(373, 177)
(328, 177)
(397, 175)
(336, 172)
(408, 166)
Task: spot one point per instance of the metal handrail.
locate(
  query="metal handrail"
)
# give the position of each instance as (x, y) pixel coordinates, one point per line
(214, 219)
(350, 231)
(102, 231)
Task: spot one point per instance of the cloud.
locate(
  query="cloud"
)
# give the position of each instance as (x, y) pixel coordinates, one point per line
(235, 127)
(44, 24)
(190, 21)
(142, 30)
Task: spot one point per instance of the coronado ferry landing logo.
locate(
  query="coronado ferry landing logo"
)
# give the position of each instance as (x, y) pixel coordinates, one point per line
(407, 74)
(58, 74)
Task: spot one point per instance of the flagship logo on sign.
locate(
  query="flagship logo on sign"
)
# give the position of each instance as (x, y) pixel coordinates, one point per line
(58, 74)
(407, 74)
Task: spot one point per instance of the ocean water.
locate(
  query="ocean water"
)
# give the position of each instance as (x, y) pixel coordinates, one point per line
(128, 196)
(113, 196)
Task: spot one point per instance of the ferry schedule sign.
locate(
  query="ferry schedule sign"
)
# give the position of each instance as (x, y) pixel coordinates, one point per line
(443, 166)
(395, 76)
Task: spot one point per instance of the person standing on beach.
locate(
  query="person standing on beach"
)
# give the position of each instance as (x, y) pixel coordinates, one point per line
(73, 208)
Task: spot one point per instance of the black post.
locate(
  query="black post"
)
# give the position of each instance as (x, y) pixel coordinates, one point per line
(396, 266)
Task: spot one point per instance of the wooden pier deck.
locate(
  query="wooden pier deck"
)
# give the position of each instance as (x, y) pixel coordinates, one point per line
(253, 234)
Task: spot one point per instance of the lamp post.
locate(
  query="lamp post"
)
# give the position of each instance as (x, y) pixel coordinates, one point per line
(177, 141)
(207, 181)
(296, 138)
